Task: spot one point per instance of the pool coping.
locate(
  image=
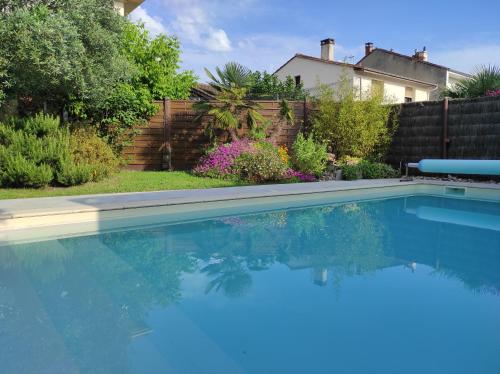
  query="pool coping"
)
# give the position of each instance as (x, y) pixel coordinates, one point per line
(50, 206)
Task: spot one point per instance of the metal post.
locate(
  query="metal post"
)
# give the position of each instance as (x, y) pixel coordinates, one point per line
(167, 130)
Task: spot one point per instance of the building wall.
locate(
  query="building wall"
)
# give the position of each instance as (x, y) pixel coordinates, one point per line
(120, 7)
(398, 65)
(311, 72)
(394, 91)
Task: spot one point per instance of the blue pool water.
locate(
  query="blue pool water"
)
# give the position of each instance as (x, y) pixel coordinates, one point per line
(403, 285)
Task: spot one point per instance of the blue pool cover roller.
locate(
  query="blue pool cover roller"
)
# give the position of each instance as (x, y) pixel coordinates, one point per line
(480, 167)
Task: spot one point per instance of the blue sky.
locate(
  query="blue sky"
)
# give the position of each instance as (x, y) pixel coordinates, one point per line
(264, 34)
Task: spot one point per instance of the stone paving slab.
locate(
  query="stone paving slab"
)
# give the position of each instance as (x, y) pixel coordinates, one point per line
(45, 206)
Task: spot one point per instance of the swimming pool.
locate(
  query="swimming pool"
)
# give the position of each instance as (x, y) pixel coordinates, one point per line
(407, 284)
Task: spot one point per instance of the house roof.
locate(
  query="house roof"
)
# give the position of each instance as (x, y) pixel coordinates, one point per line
(357, 67)
(203, 91)
(410, 58)
(130, 5)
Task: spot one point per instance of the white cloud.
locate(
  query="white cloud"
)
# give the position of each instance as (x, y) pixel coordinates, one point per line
(217, 40)
(467, 58)
(152, 24)
(192, 23)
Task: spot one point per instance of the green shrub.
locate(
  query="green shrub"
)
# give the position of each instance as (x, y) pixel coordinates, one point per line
(351, 172)
(35, 152)
(71, 174)
(86, 147)
(351, 126)
(376, 170)
(17, 171)
(263, 164)
(308, 156)
(354, 168)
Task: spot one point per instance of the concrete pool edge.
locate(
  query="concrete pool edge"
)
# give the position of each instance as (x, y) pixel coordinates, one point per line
(92, 210)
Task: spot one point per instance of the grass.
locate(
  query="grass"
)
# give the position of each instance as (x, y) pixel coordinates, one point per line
(124, 181)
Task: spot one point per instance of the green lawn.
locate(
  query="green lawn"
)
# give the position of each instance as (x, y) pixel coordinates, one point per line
(125, 181)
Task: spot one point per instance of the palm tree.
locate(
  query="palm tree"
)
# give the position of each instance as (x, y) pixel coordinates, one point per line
(231, 106)
(485, 79)
(233, 74)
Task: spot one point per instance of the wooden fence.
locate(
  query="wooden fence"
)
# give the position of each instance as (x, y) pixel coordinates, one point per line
(465, 128)
(173, 140)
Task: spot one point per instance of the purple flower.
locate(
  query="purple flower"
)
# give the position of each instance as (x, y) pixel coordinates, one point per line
(303, 177)
(220, 161)
(493, 93)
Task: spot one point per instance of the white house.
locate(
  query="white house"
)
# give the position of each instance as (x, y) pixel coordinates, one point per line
(124, 7)
(310, 71)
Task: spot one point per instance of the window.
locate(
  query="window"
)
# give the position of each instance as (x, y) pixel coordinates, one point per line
(297, 80)
(409, 94)
(377, 87)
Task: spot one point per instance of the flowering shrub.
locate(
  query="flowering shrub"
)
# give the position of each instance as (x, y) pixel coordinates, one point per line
(493, 92)
(219, 162)
(299, 176)
(283, 153)
(256, 162)
(263, 164)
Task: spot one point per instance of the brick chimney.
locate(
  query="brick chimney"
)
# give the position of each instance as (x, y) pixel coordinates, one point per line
(421, 55)
(369, 48)
(327, 49)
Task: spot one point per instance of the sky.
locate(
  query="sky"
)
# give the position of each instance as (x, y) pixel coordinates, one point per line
(264, 34)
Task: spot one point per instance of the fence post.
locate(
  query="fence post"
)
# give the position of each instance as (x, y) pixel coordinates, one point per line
(305, 125)
(167, 132)
(445, 140)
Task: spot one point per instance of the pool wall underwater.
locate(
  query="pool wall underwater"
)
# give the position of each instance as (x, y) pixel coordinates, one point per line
(37, 227)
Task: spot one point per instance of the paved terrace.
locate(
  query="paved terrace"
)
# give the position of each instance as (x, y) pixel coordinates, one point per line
(47, 206)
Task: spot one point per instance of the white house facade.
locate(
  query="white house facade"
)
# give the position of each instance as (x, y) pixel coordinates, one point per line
(311, 71)
(124, 7)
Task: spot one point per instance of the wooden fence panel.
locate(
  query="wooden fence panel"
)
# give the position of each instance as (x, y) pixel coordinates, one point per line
(174, 140)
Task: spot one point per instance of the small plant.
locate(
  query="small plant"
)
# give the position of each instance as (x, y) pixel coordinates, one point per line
(71, 174)
(355, 168)
(309, 157)
(376, 170)
(263, 164)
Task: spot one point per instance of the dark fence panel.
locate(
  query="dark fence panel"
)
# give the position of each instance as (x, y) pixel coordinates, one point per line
(472, 127)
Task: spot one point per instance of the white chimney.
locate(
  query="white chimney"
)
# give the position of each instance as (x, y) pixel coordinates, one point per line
(327, 49)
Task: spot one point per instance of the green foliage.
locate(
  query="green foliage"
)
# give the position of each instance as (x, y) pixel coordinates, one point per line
(264, 85)
(229, 109)
(353, 168)
(232, 74)
(351, 172)
(63, 53)
(157, 61)
(90, 150)
(263, 164)
(81, 57)
(308, 156)
(351, 126)
(35, 152)
(18, 171)
(72, 174)
(376, 170)
(485, 79)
